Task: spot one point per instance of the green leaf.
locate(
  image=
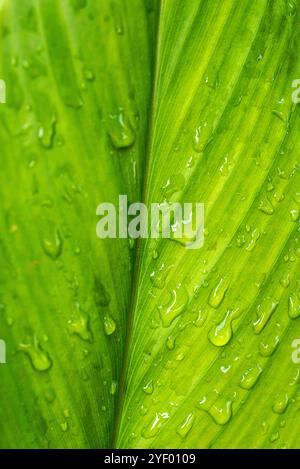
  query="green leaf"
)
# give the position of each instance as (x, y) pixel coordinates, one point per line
(72, 135)
(162, 347)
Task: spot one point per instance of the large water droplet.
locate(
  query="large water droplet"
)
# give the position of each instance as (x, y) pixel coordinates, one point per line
(264, 312)
(109, 325)
(185, 427)
(158, 277)
(156, 425)
(281, 403)
(176, 305)
(39, 359)
(174, 184)
(148, 388)
(255, 235)
(221, 334)
(250, 377)
(218, 407)
(294, 305)
(113, 388)
(218, 293)
(52, 242)
(266, 206)
(120, 131)
(79, 325)
(268, 346)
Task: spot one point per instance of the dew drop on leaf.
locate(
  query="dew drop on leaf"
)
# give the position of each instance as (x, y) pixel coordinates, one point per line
(158, 277)
(274, 437)
(64, 426)
(268, 346)
(255, 235)
(175, 183)
(266, 206)
(148, 388)
(295, 215)
(176, 305)
(218, 407)
(79, 325)
(185, 427)
(155, 425)
(39, 359)
(121, 133)
(250, 377)
(52, 242)
(109, 325)
(221, 334)
(218, 293)
(264, 313)
(88, 74)
(113, 388)
(281, 403)
(170, 343)
(294, 305)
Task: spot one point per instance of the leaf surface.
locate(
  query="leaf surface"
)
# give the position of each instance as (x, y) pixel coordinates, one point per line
(162, 346)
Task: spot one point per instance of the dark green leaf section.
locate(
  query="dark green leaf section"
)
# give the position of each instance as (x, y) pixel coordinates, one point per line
(72, 135)
(210, 362)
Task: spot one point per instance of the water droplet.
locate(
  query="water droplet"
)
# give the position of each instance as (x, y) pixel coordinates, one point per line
(250, 377)
(202, 137)
(155, 425)
(109, 325)
(294, 305)
(200, 318)
(266, 206)
(295, 215)
(219, 408)
(217, 295)
(174, 184)
(64, 426)
(46, 135)
(264, 312)
(113, 388)
(268, 347)
(52, 242)
(281, 403)
(155, 254)
(170, 343)
(291, 7)
(121, 132)
(176, 305)
(225, 166)
(297, 198)
(148, 388)
(117, 18)
(255, 235)
(274, 437)
(285, 281)
(279, 114)
(79, 325)
(88, 74)
(221, 334)
(185, 427)
(39, 359)
(158, 277)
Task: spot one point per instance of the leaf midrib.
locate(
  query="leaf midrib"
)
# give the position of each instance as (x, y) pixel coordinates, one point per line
(140, 245)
